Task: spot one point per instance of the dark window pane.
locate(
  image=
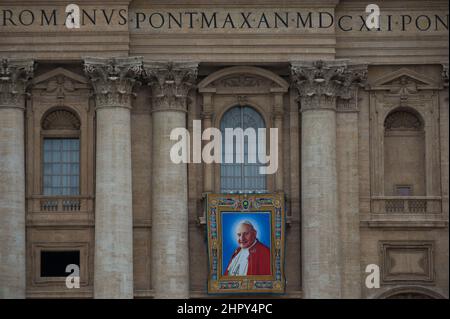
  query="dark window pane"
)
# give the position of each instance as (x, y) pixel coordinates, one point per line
(54, 263)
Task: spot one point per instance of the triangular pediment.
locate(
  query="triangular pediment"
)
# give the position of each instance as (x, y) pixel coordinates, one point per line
(243, 78)
(60, 77)
(404, 77)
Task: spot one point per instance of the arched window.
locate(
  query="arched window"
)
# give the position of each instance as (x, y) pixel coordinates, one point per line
(61, 154)
(404, 153)
(241, 177)
(410, 292)
(409, 295)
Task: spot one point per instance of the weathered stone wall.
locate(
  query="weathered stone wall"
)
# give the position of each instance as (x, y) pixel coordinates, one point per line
(141, 218)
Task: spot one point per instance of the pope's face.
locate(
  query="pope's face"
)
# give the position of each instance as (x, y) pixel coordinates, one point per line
(245, 235)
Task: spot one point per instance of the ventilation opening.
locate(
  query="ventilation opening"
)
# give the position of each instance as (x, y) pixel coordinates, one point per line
(54, 263)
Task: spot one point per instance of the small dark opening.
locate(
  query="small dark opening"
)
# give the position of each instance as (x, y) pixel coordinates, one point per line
(54, 263)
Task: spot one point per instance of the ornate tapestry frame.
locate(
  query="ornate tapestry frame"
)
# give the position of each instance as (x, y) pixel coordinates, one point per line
(245, 203)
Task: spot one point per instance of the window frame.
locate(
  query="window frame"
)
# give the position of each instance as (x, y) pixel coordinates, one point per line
(60, 134)
(397, 186)
(244, 164)
(36, 248)
(43, 164)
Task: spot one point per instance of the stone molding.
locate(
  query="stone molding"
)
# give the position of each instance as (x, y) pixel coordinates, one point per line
(170, 84)
(113, 79)
(445, 75)
(404, 86)
(407, 261)
(15, 74)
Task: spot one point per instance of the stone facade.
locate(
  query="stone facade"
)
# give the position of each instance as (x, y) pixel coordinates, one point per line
(363, 148)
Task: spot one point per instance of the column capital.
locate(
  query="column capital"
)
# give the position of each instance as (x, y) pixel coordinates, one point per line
(355, 77)
(170, 84)
(113, 79)
(320, 83)
(15, 75)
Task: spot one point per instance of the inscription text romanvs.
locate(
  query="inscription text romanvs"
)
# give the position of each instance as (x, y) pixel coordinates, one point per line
(248, 20)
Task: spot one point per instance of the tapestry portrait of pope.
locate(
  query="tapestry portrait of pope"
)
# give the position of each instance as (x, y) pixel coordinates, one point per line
(251, 257)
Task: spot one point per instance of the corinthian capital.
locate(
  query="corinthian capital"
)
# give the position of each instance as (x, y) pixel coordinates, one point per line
(15, 75)
(170, 84)
(355, 77)
(113, 79)
(320, 83)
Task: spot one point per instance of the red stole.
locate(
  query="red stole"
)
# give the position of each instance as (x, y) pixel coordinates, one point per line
(258, 260)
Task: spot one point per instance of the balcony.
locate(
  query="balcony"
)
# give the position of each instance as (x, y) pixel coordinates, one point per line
(48, 210)
(406, 212)
(406, 205)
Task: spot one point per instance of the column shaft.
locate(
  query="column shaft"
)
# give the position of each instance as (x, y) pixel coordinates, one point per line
(113, 81)
(278, 124)
(14, 78)
(12, 204)
(320, 257)
(348, 194)
(208, 169)
(113, 206)
(170, 246)
(279, 184)
(325, 233)
(170, 83)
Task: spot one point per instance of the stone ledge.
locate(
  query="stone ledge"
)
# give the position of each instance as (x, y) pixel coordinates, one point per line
(404, 223)
(149, 293)
(33, 293)
(293, 294)
(60, 220)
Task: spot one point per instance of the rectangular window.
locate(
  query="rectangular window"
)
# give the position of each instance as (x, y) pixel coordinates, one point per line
(403, 190)
(237, 176)
(54, 263)
(61, 174)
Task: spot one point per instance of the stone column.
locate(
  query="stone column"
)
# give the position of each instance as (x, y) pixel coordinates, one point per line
(278, 124)
(170, 84)
(444, 119)
(14, 77)
(348, 180)
(208, 169)
(318, 84)
(113, 81)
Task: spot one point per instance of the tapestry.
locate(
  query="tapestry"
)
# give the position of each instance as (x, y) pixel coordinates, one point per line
(245, 243)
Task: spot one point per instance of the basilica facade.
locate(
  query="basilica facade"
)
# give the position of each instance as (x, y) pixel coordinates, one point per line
(90, 94)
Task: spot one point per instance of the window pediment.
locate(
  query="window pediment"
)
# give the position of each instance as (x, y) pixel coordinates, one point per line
(239, 79)
(60, 80)
(404, 81)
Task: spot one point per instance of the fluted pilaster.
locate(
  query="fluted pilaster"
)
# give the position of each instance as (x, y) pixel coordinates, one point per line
(14, 77)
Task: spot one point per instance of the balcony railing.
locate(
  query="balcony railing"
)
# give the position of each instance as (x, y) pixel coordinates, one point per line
(406, 205)
(62, 204)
